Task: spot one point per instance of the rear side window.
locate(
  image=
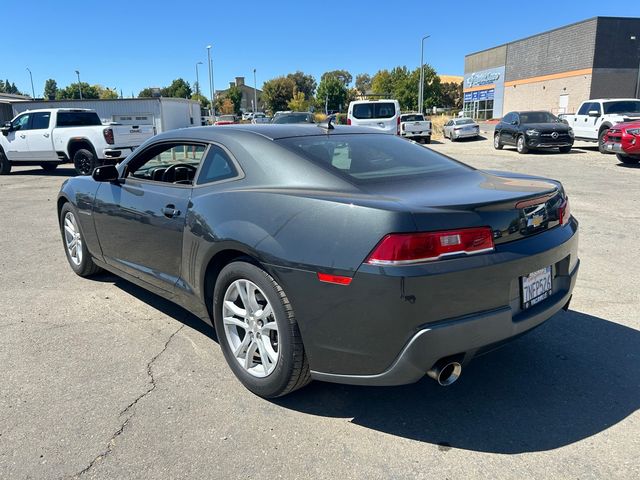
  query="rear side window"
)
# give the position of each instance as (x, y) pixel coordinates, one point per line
(78, 119)
(40, 120)
(216, 166)
(368, 158)
(363, 111)
(627, 106)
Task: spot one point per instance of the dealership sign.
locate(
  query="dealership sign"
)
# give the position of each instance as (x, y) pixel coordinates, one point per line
(479, 95)
(483, 78)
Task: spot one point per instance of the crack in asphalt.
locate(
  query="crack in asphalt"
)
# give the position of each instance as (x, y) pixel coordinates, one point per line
(120, 430)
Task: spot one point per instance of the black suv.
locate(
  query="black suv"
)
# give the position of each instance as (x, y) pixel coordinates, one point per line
(533, 130)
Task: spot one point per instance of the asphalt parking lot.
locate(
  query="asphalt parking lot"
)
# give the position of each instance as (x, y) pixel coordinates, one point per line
(100, 379)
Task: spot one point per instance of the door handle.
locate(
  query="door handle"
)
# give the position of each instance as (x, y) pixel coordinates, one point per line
(46, 135)
(23, 136)
(170, 211)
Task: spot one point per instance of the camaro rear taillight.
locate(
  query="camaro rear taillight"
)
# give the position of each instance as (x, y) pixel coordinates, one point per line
(411, 248)
(108, 135)
(348, 121)
(564, 213)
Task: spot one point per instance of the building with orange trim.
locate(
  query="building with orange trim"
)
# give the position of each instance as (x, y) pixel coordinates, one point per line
(555, 70)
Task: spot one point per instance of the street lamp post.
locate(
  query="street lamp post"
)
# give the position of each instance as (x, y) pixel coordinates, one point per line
(79, 86)
(213, 108)
(197, 79)
(421, 86)
(255, 92)
(33, 92)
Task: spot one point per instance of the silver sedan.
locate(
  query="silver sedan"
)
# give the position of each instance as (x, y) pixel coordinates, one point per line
(461, 128)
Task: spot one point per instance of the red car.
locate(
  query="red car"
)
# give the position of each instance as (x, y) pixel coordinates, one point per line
(623, 139)
(226, 120)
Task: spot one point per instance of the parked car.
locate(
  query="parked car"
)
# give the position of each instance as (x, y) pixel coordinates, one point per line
(226, 120)
(318, 252)
(247, 115)
(383, 115)
(623, 139)
(414, 127)
(461, 128)
(595, 117)
(49, 137)
(532, 131)
(260, 117)
(294, 117)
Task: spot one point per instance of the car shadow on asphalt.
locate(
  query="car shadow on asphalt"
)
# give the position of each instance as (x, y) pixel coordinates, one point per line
(479, 138)
(37, 171)
(161, 304)
(570, 379)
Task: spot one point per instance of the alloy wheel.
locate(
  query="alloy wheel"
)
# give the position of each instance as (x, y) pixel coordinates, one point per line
(250, 328)
(72, 238)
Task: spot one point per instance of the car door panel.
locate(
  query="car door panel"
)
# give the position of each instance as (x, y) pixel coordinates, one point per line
(39, 138)
(17, 139)
(140, 225)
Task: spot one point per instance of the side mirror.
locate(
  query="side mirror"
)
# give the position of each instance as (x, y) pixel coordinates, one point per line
(514, 122)
(594, 113)
(105, 173)
(6, 128)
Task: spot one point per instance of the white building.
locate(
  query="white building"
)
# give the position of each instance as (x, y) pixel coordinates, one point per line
(163, 113)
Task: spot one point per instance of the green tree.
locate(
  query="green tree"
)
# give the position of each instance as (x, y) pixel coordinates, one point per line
(204, 101)
(8, 87)
(179, 88)
(146, 93)
(277, 92)
(106, 93)
(342, 75)
(332, 93)
(305, 84)
(452, 94)
(382, 84)
(50, 89)
(363, 83)
(72, 92)
(298, 103)
(235, 95)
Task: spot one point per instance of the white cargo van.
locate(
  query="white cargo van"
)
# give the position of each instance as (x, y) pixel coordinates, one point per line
(381, 114)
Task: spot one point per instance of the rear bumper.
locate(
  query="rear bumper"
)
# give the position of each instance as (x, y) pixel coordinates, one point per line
(424, 133)
(116, 153)
(463, 338)
(466, 134)
(393, 323)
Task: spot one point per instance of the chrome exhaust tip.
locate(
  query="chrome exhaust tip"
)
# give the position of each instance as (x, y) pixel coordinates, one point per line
(445, 372)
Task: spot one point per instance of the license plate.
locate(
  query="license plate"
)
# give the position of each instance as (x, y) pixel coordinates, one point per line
(536, 287)
(609, 146)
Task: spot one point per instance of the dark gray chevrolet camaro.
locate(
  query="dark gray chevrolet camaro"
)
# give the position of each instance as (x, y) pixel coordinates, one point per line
(336, 254)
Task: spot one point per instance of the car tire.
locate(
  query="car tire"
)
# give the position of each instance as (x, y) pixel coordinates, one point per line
(521, 145)
(5, 164)
(565, 149)
(79, 258)
(452, 136)
(240, 333)
(497, 144)
(84, 161)
(627, 160)
(49, 166)
(601, 135)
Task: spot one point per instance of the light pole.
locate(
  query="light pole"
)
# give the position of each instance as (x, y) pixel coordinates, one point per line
(197, 79)
(213, 107)
(33, 92)
(255, 92)
(79, 87)
(421, 86)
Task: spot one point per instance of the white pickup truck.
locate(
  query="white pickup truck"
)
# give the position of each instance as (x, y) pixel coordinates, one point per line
(52, 136)
(595, 117)
(415, 127)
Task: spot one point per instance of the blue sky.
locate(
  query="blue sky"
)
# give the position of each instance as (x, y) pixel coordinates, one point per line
(129, 45)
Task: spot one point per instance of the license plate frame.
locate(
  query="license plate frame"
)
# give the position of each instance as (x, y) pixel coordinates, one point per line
(536, 287)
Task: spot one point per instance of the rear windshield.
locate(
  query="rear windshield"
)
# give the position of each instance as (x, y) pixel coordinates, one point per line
(371, 157)
(363, 111)
(293, 118)
(538, 117)
(628, 106)
(78, 119)
(466, 121)
(411, 118)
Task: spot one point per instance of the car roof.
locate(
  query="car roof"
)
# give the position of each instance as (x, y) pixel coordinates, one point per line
(266, 130)
(74, 110)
